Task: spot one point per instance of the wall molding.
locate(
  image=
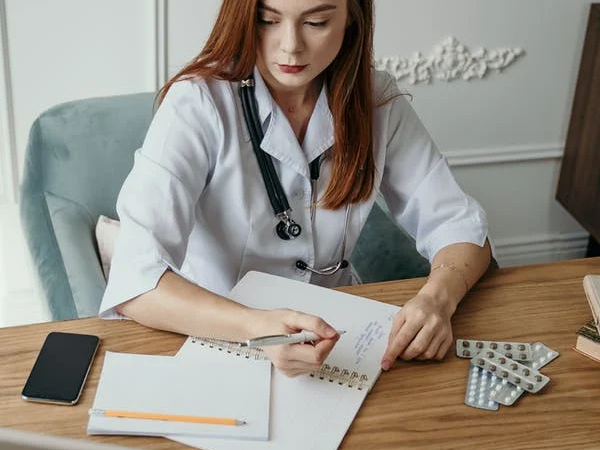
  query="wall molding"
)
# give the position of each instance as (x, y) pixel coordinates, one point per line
(450, 60)
(8, 155)
(160, 34)
(540, 248)
(503, 155)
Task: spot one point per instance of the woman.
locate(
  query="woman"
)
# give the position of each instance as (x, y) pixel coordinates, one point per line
(195, 214)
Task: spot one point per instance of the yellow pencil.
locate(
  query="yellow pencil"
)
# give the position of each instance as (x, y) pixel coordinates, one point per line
(166, 417)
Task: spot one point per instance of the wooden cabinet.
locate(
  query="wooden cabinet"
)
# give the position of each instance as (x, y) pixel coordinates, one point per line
(579, 183)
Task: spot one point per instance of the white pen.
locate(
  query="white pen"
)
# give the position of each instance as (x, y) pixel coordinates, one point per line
(278, 339)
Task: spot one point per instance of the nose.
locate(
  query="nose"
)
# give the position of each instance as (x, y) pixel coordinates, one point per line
(291, 39)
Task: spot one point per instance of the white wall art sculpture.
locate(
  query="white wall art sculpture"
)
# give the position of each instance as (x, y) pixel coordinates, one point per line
(451, 60)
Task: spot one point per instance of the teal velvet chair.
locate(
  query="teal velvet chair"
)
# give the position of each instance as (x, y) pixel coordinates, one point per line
(77, 158)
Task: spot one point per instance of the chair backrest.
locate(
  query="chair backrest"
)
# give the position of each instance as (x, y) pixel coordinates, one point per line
(77, 158)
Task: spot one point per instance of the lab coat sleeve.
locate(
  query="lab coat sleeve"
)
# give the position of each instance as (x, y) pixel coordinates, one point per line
(156, 204)
(421, 192)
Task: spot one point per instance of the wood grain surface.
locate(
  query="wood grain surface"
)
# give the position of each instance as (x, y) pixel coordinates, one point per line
(414, 405)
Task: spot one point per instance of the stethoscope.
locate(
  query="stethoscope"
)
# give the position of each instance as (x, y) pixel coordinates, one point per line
(286, 229)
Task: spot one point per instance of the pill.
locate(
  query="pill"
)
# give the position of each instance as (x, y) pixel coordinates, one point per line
(526, 372)
(502, 360)
(490, 354)
(522, 356)
(465, 344)
(521, 347)
(508, 354)
(504, 374)
(480, 361)
(529, 386)
(517, 380)
(507, 346)
(492, 368)
(493, 346)
(479, 345)
(466, 353)
(513, 366)
(538, 378)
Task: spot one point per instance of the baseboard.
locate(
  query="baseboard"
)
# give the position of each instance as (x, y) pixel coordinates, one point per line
(537, 249)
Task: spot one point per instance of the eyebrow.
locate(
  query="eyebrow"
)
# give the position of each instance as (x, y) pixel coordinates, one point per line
(316, 9)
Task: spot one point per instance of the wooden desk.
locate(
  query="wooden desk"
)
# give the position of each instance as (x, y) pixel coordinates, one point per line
(417, 404)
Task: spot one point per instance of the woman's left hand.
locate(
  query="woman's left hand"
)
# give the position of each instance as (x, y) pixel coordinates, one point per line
(421, 330)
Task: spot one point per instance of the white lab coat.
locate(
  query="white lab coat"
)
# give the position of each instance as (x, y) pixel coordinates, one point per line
(195, 200)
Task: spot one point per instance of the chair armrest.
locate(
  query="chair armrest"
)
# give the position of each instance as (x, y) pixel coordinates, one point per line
(74, 230)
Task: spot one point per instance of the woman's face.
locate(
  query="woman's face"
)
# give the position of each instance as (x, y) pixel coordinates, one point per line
(298, 39)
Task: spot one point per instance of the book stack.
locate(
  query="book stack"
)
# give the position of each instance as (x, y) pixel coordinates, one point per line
(588, 337)
(588, 341)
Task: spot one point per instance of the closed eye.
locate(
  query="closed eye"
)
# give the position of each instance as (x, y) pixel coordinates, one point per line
(262, 21)
(317, 24)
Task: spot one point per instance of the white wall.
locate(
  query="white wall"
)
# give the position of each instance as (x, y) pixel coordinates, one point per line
(504, 135)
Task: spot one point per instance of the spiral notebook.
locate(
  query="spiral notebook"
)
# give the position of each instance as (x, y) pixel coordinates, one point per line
(312, 411)
(168, 386)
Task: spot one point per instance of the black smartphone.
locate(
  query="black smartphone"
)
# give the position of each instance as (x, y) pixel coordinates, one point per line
(61, 368)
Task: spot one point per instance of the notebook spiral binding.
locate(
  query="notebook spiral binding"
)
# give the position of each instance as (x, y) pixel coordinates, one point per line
(341, 376)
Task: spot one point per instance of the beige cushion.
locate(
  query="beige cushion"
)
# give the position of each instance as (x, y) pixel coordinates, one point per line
(107, 230)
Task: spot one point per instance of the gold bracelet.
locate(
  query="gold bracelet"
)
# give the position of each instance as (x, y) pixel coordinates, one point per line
(453, 267)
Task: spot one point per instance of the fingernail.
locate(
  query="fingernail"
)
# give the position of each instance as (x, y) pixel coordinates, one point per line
(385, 364)
(330, 332)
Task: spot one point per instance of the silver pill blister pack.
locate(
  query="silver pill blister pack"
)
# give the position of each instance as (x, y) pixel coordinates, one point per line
(516, 373)
(495, 379)
(518, 351)
(480, 385)
(507, 393)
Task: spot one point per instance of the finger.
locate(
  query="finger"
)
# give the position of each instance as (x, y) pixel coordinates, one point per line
(432, 349)
(293, 373)
(419, 344)
(444, 348)
(401, 340)
(302, 321)
(312, 354)
(396, 325)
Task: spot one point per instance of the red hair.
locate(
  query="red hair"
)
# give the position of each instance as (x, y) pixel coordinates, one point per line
(230, 54)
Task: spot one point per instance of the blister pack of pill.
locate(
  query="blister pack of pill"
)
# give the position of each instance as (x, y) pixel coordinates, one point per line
(496, 379)
(516, 373)
(468, 348)
(480, 385)
(507, 393)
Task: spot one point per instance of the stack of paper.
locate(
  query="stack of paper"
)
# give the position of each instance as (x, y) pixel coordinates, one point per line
(167, 388)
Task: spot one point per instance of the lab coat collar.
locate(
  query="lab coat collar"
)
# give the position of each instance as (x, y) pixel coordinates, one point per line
(279, 139)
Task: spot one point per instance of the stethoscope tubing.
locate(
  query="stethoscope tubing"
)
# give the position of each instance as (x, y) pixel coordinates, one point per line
(277, 198)
(275, 191)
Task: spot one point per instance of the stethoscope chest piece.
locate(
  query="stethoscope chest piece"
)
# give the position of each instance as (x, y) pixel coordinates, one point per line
(289, 230)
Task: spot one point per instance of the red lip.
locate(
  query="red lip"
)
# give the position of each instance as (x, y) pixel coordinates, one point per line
(290, 69)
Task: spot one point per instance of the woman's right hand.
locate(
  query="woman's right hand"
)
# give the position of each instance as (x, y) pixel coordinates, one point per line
(293, 359)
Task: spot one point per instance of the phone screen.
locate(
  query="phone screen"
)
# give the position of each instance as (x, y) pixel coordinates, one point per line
(61, 368)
